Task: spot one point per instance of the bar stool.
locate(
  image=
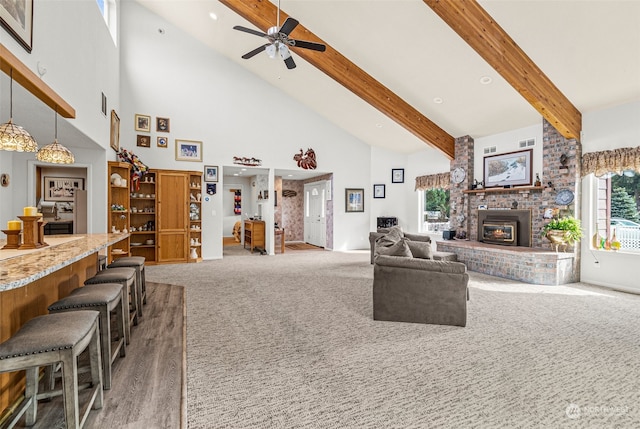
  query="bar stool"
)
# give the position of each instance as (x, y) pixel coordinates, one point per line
(127, 278)
(105, 298)
(48, 340)
(102, 262)
(136, 262)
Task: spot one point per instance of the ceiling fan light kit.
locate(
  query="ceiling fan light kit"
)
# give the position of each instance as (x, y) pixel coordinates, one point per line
(279, 41)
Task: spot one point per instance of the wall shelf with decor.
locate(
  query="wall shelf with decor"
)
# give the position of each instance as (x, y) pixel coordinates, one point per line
(143, 218)
(195, 216)
(517, 189)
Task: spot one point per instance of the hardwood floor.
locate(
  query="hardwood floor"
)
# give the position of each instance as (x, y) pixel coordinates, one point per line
(149, 383)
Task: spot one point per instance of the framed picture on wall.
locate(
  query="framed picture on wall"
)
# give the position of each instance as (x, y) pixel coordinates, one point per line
(142, 123)
(188, 150)
(378, 191)
(353, 200)
(210, 173)
(397, 175)
(61, 188)
(115, 131)
(162, 125)
(144, 141)
(508, 169)
(163, 142)
(17, 18)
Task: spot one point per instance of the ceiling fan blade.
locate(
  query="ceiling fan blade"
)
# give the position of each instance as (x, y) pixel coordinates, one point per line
(288, 26)
(255, 51)
(308, 45)
(249, 30)
(290, 63)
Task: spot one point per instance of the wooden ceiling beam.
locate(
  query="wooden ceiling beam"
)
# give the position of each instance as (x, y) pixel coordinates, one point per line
(480, 31)
(11, 65)
(263, 14)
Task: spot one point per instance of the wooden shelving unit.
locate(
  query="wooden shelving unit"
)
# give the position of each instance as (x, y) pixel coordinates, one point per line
(143, 218)
(118, 207)
(195, 216)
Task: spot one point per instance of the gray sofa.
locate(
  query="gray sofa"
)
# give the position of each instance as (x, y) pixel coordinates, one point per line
(417, 290)
(438, 256)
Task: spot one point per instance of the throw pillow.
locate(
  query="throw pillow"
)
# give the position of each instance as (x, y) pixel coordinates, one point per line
(400, 248)
(420, 249)
(391, 237)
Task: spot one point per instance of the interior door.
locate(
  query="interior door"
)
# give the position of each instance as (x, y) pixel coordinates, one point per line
(315, 225)
(173, 216)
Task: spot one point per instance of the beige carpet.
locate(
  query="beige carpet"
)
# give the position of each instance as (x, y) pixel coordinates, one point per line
(289, 342)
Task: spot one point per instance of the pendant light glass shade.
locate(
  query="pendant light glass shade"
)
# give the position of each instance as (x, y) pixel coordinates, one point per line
(55, 153)
(14, 137)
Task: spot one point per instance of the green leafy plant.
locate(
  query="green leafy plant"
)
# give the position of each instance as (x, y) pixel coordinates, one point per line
(569, 224)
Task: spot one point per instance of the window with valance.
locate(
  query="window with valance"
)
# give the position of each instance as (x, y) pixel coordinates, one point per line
(618, 161)
(435, 201)
(433, 181)
(617, 200)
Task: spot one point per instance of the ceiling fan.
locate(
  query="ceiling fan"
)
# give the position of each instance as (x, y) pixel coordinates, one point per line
(279, 41)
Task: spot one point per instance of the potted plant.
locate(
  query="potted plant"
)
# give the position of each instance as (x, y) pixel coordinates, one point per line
(563, 231)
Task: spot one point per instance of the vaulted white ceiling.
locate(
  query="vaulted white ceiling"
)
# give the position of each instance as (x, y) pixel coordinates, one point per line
(589, 49)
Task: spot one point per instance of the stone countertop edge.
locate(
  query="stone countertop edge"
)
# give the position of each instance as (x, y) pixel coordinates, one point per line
(19, 271)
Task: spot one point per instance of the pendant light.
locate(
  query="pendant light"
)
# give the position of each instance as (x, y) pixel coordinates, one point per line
(14, 137)
(55, 153)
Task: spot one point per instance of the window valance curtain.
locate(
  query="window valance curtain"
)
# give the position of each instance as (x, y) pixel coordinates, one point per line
(433, 181)
(611, 161)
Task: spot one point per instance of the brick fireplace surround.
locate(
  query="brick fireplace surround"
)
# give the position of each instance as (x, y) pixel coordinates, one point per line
(536, 264)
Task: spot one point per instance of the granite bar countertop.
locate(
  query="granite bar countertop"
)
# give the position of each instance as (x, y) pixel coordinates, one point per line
(24, 267)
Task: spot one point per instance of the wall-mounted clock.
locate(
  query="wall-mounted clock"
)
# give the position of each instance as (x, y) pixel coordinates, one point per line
(458, 175)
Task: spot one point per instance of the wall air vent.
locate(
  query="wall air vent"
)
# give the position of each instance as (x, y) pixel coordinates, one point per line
(491, 149)
(527, 143)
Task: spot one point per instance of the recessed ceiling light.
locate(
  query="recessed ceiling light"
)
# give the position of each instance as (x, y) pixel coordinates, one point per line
(485, 80)
(235, 174)
(213, 16)
(379, 125)
(243, 169)
(289, 175)
(438, 100)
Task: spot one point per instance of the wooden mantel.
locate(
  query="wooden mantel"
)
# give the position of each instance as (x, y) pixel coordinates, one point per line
(32, 83)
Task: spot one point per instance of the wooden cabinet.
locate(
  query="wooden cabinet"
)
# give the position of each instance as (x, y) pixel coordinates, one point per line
(118, 206)
(254, 234)
(172, 219)
(178, 217)
(195, 217)
(143, 218)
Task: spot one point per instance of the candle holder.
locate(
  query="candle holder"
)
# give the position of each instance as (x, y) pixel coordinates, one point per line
(31, 229)
(13, 238)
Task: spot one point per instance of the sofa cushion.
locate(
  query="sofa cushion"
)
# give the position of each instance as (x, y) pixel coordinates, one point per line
(399, 248)
(420, 249)
(418, 237)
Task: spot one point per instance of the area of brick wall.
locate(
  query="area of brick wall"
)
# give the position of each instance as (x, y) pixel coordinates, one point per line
(554, 146)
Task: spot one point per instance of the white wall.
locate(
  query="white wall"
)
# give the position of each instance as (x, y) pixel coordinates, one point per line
(211, 99)
(508, 142)
(603, 130)
(72, 42)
